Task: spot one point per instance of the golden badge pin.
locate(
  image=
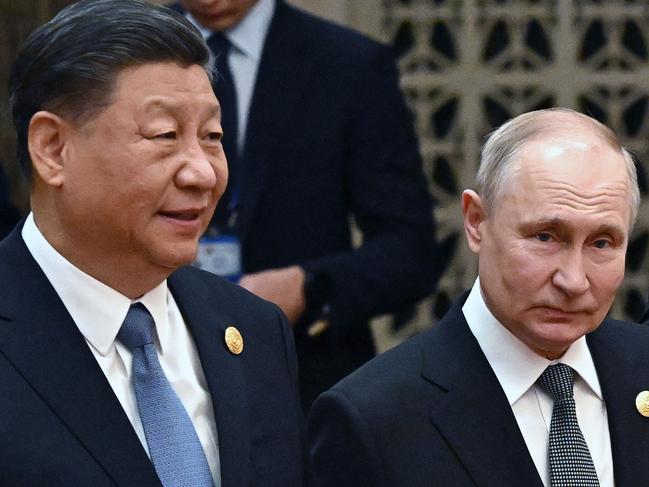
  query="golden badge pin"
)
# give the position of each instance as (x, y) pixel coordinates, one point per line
(642, 403)
(233, 340)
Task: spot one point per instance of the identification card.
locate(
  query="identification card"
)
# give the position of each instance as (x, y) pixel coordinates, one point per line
(220, 255)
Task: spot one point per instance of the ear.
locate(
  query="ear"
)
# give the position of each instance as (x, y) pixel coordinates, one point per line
(46, 140)
(474, 214)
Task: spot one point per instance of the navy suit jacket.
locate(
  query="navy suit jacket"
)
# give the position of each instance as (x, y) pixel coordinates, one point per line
(329, 137)
(431, 412)
(62, 425)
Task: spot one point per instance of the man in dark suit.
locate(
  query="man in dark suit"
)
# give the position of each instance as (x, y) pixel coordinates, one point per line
(118, 365)
(321, 134)
(526, 363)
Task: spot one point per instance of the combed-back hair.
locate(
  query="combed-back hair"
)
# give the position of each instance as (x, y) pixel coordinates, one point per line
(503, 146)
(69, 66)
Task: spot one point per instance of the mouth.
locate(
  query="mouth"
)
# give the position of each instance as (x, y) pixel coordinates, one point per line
(559, 314)
(183, 215)
(186, 222)
(215, 15)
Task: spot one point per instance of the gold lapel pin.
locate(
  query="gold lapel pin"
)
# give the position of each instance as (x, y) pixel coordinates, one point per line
(642, 403)
(234, 340)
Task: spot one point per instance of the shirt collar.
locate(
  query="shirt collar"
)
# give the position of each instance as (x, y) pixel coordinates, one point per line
(516, 366)
(97, 309)
(249, 35)
(156, 302)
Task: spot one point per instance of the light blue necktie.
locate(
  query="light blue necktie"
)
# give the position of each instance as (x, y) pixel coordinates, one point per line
(174, 447)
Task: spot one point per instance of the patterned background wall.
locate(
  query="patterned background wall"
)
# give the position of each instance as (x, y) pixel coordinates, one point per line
(469, 65)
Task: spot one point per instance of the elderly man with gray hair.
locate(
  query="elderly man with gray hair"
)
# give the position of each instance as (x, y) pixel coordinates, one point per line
(524, 382)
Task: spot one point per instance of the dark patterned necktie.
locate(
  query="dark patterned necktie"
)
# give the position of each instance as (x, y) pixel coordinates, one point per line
(225, 92)
(176, 452)
(570, 462)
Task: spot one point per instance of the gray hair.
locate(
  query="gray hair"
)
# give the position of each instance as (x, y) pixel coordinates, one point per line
(504, 144)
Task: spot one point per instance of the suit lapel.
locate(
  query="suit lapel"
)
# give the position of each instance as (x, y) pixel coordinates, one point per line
(223, 371)
(474, 416)
(40, 339)
(622, 371)
(282, 81)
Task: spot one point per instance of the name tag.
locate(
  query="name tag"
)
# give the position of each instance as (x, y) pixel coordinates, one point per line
(220, 255)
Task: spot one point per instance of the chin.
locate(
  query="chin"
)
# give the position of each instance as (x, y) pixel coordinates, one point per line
(178, 257)
(556, 343)
(218, 22)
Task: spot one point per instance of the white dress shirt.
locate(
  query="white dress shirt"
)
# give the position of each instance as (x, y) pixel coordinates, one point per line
(247, 39)
(517, 368)
(99, 311)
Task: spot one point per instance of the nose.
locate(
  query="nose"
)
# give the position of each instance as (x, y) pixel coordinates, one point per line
(200, 170)
(571, 276)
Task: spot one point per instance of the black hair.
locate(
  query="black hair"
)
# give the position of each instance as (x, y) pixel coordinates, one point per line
(69, 65)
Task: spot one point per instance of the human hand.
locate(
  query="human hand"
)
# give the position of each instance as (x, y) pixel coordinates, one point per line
(284, 287)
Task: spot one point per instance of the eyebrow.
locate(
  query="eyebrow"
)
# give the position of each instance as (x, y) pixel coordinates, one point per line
(562, 225)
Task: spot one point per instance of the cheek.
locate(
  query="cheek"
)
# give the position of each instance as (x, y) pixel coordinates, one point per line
(133, 193)
(606, 279)
(525, 276)
(220, 167)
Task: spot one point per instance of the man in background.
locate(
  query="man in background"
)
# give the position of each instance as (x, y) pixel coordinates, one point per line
(317, 134)
(118, 364)
(524, 381)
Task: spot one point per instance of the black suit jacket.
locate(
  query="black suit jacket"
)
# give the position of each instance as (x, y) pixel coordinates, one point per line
(431, 412)
(61, 424)
(329, 137)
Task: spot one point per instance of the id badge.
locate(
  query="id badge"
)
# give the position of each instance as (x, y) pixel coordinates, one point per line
(220, 255)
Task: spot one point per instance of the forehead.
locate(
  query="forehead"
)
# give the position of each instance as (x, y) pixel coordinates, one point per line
(578, 176)
(166, 84)
(583, 159)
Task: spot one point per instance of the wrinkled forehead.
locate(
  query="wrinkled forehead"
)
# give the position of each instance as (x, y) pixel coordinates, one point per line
(578, 176)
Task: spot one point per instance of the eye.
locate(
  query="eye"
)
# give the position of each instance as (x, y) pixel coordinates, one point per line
(167, 135)
(601, 243)
(215, 136)
(543, 237)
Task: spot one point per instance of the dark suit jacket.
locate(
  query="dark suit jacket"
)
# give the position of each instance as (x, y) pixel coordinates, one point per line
(431, 412)
(328, 137)
(61, 424)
